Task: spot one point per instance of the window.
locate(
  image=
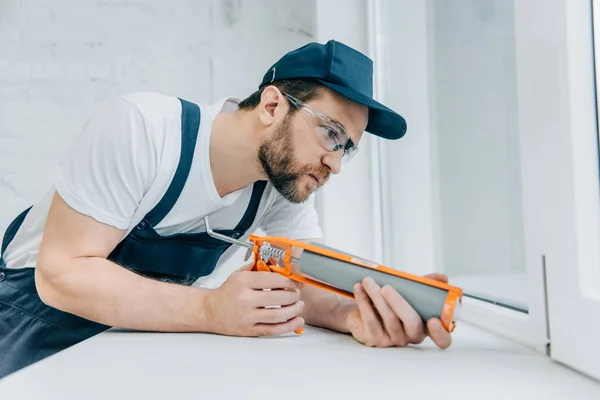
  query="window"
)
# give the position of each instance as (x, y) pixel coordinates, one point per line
(471, 221)
(455, 190)
(497, 182)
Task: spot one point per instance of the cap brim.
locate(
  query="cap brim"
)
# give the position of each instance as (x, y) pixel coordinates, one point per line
(383, 122)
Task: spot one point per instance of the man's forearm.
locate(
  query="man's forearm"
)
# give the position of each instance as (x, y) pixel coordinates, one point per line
(325, 309)
(99, 290)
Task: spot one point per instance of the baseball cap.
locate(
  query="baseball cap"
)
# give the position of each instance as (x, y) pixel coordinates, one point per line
(345, 71)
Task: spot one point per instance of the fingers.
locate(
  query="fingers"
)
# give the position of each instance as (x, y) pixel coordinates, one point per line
(373, 331)
(393, 327)
(440, 336)
(412, 321)
(246, 267)
(278, 315)
(268, 280)
(279, 329)
(275, 297)
(400, 323)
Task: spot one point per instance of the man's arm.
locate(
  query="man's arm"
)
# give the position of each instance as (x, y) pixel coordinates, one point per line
(73, 275)
(323, 308)
(100, 183)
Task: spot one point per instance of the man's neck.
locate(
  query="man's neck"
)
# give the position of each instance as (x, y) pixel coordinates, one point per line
(233, 148)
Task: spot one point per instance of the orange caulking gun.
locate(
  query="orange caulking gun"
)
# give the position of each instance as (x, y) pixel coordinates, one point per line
(338, 272)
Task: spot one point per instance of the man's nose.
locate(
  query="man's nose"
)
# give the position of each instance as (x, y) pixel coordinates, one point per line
(333, 161)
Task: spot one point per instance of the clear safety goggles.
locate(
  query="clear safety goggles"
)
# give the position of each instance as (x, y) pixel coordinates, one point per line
(332, 135)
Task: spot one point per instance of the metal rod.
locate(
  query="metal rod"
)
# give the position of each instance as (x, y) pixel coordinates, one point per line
(513, 307)
(546, 309)
(249, 245)
(225, 238)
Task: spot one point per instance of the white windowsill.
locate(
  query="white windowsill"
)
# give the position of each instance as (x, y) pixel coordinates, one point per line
(318, 364)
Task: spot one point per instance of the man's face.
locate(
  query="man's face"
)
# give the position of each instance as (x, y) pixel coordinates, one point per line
(293, 155)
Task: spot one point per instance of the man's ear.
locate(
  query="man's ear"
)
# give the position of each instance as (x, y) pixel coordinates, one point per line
(270, 107)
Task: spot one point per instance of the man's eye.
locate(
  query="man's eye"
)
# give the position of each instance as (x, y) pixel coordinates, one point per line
(331, 132)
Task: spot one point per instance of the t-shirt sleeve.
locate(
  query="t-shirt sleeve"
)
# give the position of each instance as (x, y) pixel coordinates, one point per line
(291, 220)
(110, 166)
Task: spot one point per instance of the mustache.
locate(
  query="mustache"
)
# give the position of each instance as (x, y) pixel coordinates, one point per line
(321, 172)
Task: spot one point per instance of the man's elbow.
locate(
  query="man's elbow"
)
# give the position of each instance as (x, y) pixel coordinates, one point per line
(50, 283)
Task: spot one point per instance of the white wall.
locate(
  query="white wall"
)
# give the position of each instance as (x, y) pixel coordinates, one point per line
(60, 59)
(346, 204)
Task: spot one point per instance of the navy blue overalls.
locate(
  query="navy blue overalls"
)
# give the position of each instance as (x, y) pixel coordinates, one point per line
(31, 330)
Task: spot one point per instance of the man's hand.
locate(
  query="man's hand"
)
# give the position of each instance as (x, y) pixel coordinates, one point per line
(383, 318)
(239, 306)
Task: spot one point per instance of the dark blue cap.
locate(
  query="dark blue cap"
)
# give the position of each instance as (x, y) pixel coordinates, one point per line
(345, 71)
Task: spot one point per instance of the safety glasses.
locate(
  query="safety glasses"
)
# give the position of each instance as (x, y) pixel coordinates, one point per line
(331, 134)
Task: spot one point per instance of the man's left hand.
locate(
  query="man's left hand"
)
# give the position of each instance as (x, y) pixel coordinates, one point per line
(383, 318)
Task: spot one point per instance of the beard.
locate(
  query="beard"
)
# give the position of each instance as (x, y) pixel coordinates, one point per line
(277, 159)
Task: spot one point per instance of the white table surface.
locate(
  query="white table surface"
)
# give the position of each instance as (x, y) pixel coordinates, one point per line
(318, 364)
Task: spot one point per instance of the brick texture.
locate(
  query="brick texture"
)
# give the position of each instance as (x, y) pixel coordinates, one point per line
(60, 59)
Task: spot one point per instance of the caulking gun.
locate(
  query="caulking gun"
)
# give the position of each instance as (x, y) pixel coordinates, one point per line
(337, 271)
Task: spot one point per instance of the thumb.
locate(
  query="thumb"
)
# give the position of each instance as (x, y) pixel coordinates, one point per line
(247, 267)
(438, 277)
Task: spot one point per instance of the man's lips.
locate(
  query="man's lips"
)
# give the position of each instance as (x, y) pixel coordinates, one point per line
(317, 178)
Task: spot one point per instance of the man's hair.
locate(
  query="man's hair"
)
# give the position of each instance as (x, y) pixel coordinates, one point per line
(302, 89)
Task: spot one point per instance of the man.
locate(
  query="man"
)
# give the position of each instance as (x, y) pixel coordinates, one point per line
(120, 238)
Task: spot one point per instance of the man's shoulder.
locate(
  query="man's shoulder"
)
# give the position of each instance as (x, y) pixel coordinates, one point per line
(152, 105)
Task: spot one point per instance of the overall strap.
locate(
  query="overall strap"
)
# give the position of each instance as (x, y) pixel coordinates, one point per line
(190, 122)
(248, 218)
(12, 229)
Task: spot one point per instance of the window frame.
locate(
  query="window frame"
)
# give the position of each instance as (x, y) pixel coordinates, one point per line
(574, 242)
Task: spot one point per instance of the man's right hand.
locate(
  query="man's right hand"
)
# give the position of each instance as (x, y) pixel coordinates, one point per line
(74, 275)
(238, 306)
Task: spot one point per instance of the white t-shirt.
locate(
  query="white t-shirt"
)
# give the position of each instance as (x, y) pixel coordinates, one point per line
(122, 163)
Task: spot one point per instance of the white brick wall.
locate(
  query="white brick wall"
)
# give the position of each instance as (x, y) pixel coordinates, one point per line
(59, 59)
